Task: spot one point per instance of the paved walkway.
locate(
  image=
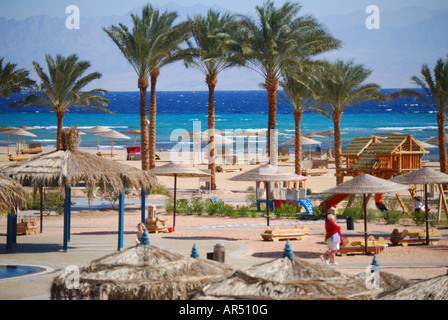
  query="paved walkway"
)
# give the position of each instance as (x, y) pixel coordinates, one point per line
(46, 251)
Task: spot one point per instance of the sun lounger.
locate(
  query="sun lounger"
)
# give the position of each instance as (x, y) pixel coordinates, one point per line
(111, 155)
(404, 238)
(32, 151)
(276, 234)
(358, 246)
(18, 158)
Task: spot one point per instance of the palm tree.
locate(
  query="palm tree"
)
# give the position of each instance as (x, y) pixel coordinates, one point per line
(342, 87)
(278, 40)
(435, 86)
(214, 51)
(300, 87)
(13, 80)
(153, 43)
(62, 89)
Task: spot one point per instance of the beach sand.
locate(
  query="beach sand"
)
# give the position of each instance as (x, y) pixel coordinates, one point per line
(412, 262)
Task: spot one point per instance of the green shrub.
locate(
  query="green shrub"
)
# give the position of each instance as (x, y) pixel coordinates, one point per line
(395, 217)
(197, 206)
(355, 212)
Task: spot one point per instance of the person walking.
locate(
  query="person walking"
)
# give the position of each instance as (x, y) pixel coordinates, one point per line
(333, 238)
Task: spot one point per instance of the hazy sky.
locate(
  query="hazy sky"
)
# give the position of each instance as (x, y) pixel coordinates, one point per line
(21, 9)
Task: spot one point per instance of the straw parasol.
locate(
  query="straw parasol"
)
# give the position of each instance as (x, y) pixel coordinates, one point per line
(175, 169)
(328, 133)
(267, 173)
(143, 272)
(285, 278)
(305, 142)
(435, 140)
(68, 167)
(12, 196)
(112, 134)
(366, 184)
(430, 289)
(423, 176)
(18, 132)
(97, 129)
(135, 132)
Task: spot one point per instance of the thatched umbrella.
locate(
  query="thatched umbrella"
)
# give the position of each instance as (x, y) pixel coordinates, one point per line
(435, 140)
(254, 133)
(328, 133)
(305, 142)
(68, 167)
(366, 184)
(282, 279)
(135, 132)
(18, 132)
(175, 169)
(267, 173)
(97, 129)
(423, 176)
(430, 289)
(112, 134)
(139, 273)
(12, 196)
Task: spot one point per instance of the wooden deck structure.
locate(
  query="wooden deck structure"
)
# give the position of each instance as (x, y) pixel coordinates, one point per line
(396, 155)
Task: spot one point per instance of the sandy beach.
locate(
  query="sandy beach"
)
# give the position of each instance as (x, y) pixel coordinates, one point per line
(411, 262)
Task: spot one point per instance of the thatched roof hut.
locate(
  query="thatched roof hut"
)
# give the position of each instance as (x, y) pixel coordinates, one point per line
(285, 279)
(431, 289)
(139, 273)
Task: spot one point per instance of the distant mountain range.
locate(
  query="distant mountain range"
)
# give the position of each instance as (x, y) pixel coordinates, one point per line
(406, 39)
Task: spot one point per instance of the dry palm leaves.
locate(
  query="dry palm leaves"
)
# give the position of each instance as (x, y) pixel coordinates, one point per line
(12, 195)
(285, 279)
(431, 289)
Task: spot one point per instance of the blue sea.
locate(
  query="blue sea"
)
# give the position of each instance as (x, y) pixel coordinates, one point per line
(181, 112)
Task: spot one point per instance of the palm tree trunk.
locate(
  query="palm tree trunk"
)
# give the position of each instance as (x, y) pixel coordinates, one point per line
(152, 119)
(337, 146)
(441, 120)
(272, 87)
(211, 81)
(60, 117)
(143, 86)
(298, 114)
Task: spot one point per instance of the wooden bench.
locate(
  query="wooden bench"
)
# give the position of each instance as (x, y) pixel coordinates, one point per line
(27, 226)
(358, 246)
(158, 225)
(228, 168)
(154, 224)
(406, 237)
(276, 234)
(18, 158)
